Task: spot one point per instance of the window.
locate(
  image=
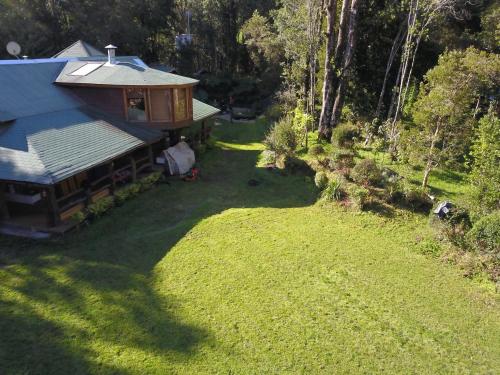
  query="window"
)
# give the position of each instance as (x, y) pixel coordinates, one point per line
(161, 105)
(136, 105)
(86, 69)
(180, 104)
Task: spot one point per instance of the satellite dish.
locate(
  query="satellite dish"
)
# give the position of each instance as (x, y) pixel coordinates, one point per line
(14, 49)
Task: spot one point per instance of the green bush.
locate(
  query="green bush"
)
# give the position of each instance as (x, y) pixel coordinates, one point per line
(343, 159)
(268, 157)
(455, 225)
(296, 165)
(485, 174)
(100, 207)
(147, 182)
(282, 138)
(78, 217)
(316, 150)
(360, 196)
(126, 193)
(321, 180)
(484, 236)
(393, 192)
(345, 135)
(367, 172)
(393, 189)
(334, 190)
(418, 199)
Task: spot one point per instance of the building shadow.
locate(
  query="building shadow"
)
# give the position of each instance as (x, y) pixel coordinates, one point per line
(98, 282)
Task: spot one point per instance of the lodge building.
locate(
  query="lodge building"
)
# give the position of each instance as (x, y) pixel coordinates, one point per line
(76, 127)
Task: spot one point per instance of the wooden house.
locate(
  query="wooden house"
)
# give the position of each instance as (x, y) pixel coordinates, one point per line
(73, 129)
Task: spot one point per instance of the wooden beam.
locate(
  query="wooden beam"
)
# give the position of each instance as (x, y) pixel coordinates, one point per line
(54, 213)
(4, 212)
(150, 154)
(125, 104)
(134, 169)
(203, 130)
(112, 174)
(149, 109)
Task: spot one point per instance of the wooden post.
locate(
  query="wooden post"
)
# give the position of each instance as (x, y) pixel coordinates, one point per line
(111, 169)
(203, 132)
(55, 217)
(134, 169)
(4, 212)
(150, 154)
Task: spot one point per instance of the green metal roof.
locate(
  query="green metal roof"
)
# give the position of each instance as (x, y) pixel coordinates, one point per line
(28, 89)
(202, 111)
(54, 135)
(79, 49)
(120, 74)
(51, 147)
(6, 116)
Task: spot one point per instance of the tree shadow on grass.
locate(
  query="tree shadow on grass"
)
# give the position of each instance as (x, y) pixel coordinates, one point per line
(54, 319)
(381, 209)
(75, 304)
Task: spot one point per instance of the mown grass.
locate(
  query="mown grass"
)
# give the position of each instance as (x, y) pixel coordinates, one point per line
(221, 277)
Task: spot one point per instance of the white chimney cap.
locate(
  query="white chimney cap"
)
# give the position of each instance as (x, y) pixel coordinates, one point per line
(110, 46)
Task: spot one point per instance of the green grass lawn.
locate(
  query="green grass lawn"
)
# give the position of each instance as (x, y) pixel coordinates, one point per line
(220, 277)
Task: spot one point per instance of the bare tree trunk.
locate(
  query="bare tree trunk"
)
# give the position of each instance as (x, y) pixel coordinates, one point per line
(430, 162)
(328, 88)
(396, 45)
(405, 59)
(346, 63)
(408, 79)
(393, 97)
(315, 10)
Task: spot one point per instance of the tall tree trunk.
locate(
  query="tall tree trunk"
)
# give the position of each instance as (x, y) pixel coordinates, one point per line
(328, 88)
(346, 63)
(430, 162)
(315, 13)
(393, 97)
(403, 77)
(342, 37)
(396, 45)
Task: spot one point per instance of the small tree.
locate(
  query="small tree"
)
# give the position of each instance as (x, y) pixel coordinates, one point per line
(485, 175)
(444, 113)
(282, 138)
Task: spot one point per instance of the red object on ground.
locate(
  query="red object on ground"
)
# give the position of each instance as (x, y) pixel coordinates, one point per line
(193, 175)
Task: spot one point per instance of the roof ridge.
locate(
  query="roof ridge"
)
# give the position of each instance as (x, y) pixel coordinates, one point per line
(85, 47)
(67, 48)
(34, 152)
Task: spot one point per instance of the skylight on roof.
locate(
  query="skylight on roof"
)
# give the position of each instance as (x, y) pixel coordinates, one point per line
(86, 69)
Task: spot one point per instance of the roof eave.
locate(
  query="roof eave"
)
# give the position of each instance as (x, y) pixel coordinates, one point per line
(79, 84)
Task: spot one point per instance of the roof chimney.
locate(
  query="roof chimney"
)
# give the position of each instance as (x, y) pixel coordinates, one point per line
(111, 54)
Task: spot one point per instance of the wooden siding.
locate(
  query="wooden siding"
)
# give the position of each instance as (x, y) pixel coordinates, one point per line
(109, 100)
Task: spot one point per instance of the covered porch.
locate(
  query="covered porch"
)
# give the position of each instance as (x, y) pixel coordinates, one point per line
(51, 208)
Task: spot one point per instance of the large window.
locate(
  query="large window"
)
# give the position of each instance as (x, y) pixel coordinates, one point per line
(161, 105)
(136, 104)
(180, 104)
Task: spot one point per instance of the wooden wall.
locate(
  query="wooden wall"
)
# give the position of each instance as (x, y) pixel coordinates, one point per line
(109, 100)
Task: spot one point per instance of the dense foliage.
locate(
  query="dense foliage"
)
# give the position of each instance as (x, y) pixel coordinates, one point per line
(485, 235)
(485, 176)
